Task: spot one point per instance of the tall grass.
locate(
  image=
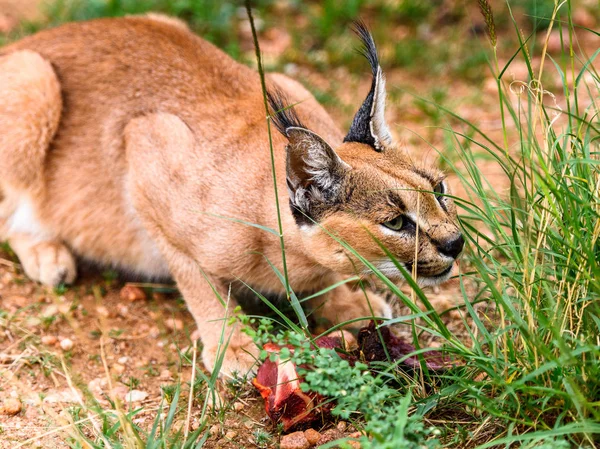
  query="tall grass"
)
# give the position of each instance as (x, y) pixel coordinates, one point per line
(530, 370)
(533, 369)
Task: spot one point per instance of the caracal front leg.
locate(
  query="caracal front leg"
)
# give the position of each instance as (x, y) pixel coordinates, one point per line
(48, 261)
(165, 187)
(344, 304)
(209, 301)
(30, 109)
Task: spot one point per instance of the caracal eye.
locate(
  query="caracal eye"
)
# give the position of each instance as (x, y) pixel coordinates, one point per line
(395, 224)
(439, 189)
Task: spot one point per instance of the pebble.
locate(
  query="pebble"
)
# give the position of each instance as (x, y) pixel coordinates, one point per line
(118, 368)
(11, 406)
(341, 426)
(13, 303)
(97, 385)
(119, 391)
(158, 296)
(165, 375)
(64, 396)
(584, 18)
(49, 340)
(238, 406)
(174, 324)
(123, 310)
(215, 430)
(136, 396)
(123, 360)
(295, 440)
(102, 311)
(66, 344)
(312, 436)
(329, 435)
(556, 42)
(231, 435)
(131, 293)
(50, 311)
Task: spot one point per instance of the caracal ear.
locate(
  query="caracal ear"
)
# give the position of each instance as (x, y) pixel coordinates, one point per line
(314, 171)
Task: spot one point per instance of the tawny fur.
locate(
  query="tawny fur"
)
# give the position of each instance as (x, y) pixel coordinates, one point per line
(130, 142)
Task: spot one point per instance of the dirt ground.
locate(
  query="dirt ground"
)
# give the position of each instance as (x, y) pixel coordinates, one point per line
(90, 341)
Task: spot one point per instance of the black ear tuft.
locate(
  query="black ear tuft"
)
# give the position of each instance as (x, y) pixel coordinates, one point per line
(283, 115)
(368, 50)
(369, 125)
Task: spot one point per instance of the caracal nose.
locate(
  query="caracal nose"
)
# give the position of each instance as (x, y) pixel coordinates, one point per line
(453, 247)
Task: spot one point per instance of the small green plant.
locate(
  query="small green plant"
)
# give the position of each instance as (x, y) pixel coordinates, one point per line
(169, 391)
(262, 438)
(150, 369)
(131, 382)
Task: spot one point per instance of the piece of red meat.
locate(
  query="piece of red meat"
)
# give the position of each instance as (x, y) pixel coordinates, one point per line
(279, 383)
(285, 402)
(373, 349)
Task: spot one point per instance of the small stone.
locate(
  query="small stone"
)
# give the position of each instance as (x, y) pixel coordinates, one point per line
(295, 440)
(238, 406)
(32, 322)
(341, 426)
(13, 303)
(49, 340)
(165, 375)
(66, 344)
(136, 396)
(64, 396)
(11, 406)
(329, 435)
(97, 385)
(231, 435)
(118, 368)
(123, 310)
(158, 296)
(231, 423)
(64, 307)
(174, 324)
(119, 392)
(102, 311)
(131, 293)
(123, 360)
(312, 436)
(584, 18)
(50, 311)
(214, 430)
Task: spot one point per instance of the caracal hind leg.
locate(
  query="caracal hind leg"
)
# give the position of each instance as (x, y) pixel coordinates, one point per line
(30, 109)
(163, 194)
